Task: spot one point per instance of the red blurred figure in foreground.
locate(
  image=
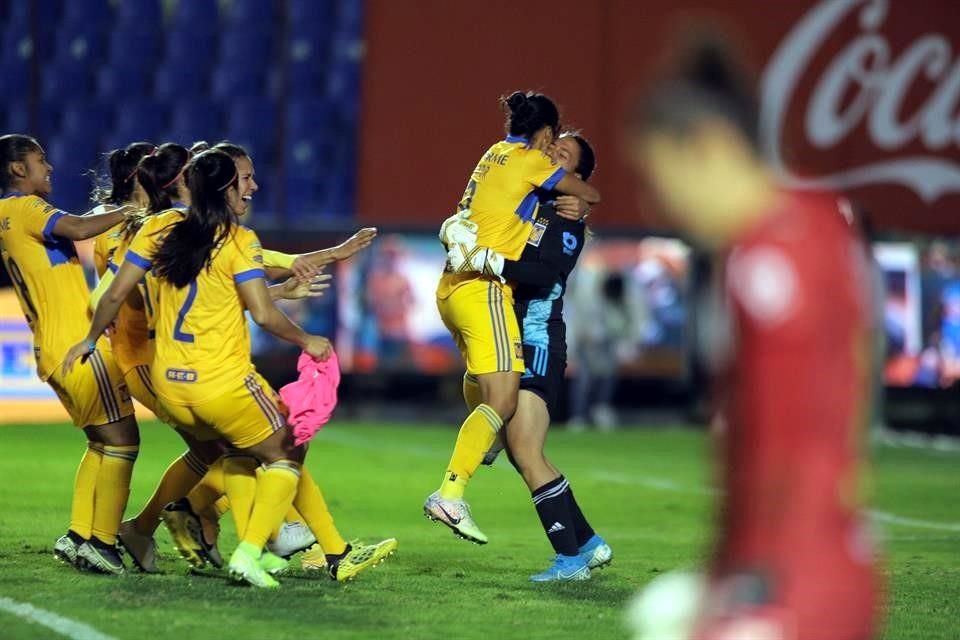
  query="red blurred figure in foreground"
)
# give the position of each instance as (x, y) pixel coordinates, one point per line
(790, 353)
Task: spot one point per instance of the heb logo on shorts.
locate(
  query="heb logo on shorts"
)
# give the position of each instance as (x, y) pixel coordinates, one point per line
(181, 375)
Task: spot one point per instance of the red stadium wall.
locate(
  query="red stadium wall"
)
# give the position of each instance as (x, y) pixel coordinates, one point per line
(868, 91)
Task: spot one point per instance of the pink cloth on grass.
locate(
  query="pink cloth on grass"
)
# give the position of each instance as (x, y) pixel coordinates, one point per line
(313, 397)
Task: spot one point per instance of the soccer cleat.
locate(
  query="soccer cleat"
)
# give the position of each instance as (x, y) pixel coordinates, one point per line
(357, 557)
(564, 569)
(273, 564)
(99, 557)
(314, 559)
(596, 552)
(456, 515)
(187, 533)
(65, 549)
(245, 567)
(293, 538)
(142, 549)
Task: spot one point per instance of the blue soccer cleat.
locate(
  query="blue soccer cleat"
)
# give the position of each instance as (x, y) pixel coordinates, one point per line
(564, 569)
(596, 552)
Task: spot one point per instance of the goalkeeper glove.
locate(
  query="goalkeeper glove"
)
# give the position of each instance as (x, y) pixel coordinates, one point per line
(458, 228)
(464, 258)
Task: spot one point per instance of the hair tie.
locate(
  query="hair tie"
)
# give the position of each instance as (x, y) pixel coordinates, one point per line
(174, 178)
(137, 168)
(232, 180)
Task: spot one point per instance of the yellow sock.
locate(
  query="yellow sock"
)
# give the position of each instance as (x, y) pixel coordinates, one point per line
(276, 487)
(476, 435)
(179, 478)
(112, 491)
(311, 505)
(81, 512)
(240, 482)
(471, 392)
(209, 489)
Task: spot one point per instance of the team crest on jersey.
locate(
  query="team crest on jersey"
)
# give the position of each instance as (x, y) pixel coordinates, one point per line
(518, 350)
(536, 236)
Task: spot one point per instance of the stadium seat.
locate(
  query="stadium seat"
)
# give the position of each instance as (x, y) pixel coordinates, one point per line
(196, 120)
(20, 42)
(252, 122)
(140, 43)
(311, 12)
(252, 11)
(72, 158)
(14, 79)
(303, 195)
(16, 114)
(22, 10)
(249, 46)
(307, 118)
(137, 13)
(121, 82)
(139, 120)
(190, 47)
(78, 12)
(59, 82)
(194, 13)
(79, 117)
(237, 81)
(174, 83)
(82, 47)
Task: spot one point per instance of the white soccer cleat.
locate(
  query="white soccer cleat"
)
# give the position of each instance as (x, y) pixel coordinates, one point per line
(596, 552)
(456, 515)
(293, 538)
(65, 549)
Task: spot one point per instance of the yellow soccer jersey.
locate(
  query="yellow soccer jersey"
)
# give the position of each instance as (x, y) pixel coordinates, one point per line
(47, 276)
(202, 340)
(501, 199)
(131, 337)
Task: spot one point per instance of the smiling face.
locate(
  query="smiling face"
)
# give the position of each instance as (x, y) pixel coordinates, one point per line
(33, 173)
(246, 184)
(566, 152)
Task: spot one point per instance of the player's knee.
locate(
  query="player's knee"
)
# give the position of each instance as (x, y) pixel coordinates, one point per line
(504, 405)
(123, 433)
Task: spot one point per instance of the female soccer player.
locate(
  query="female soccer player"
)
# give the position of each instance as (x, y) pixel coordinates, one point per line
(209, 269)
(157, 179)
(540, 280)
(477, 308)
(793, 556)
(36, 240)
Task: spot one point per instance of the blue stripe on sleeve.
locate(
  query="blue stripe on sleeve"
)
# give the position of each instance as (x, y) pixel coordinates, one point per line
(250, 274)
(51, 223)
(138, 260)
(554, 179)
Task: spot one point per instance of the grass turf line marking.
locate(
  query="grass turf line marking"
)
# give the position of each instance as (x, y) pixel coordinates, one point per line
(661, 484)
(64, 626)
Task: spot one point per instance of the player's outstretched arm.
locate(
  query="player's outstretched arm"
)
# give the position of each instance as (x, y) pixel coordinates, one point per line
(295, 288)
(87, 226)
(265, 313)
(307, 265)
(123, 283)
(574, 186)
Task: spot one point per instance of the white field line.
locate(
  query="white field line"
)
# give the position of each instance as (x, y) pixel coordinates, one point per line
(661, 484)
(648, 482)
(64, 626)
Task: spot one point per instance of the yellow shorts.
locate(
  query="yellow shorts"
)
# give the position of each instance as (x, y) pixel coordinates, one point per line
(479, 315)
(141, 386)
(244, 416)
(93, 393)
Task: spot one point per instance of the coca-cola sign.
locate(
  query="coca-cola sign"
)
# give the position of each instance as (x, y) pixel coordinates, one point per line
(867, 85)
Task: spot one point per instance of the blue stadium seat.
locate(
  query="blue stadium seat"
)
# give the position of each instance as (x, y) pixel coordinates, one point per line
(121, 82)
(20, 42)
(14, 79)
(72, 157)
(176, 83)
(252, 122)
(350, 17)
(250, 46)
(191, 13)
(311, 12)
(77, 12)
(238, 81)
(196, 120)
(137, 13)
(64, 82)
(140, 43)
(190, 47)
(45, 121)
(48, 9)
(303, 195)
(84, 46)
(139, 120)
(308, 118)
(16, 115)
(252, 11)
(79, 117)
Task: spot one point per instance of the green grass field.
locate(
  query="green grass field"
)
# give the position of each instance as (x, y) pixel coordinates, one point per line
(642, 489)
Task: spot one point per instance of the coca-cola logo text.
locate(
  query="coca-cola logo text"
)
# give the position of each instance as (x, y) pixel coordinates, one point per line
(880, 80)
